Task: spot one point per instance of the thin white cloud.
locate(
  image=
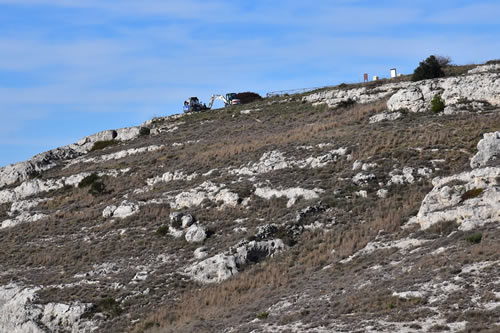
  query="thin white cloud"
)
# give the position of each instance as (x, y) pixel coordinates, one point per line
(477, 13)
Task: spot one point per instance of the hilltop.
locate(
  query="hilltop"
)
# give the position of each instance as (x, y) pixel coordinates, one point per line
(347, 209)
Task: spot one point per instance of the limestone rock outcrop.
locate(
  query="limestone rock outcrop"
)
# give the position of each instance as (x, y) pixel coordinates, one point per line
(20, 314)
(459, 92)
(196, 233)
(224, 265)
(488, 150)
(22, 171)
(470, 199)
(475, 91)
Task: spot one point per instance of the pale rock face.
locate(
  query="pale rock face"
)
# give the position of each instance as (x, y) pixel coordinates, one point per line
(405, 177)
(108, 211)
(126, 209)
(488, 149)
(44, 161)
(363, 166)
(485, 69)
(362, 179)
(362, 194)
(446, 201)
(382, 193)
(206, 190)
(37, 186)
(335, 97)
(20, 213)
(22, 218)
(469, 198)
(416, 96)
(139, 276)
(114, 156)
(275, 160)
(19, 315)
(19, 172)
(404, 245)
(214, 269)
(174, 232)
(187, 221)
(196, 234)
(200, 253)
(292, 194)
(129, 133)
(24, 205)
(171, 176)
(411, 99)
(106, 135)
(389, 116)
(224, 265)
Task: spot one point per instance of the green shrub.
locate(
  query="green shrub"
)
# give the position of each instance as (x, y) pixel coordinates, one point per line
(474, 238)
(97, 187)
(95, 182)
(262, 315)
(163, 230)
(110, 306)
(472, 193)
(144, 131)
(437, 104)
(98, 145)
(89, 180)
(430, 68)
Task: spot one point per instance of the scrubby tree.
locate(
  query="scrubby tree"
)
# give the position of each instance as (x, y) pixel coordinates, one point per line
(430, 68)
(248, 97)
(444, 61)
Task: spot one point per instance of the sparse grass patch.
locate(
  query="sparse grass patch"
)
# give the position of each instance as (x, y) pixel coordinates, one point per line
(442, 228)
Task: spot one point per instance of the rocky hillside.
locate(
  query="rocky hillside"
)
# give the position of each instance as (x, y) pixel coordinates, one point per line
(347, 209)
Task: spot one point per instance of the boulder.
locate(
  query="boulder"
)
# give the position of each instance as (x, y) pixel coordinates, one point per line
(125, 209)
(292, 194)
(196, 234)
(388, 116)
(224, 265)
(470, 199)
(485, 69)
(488, 150)
(187, 220)
(411, 99)
(108, 211)
(128, 133)
(18, 313)
(362, 178)
(477, 91)
(200, 253)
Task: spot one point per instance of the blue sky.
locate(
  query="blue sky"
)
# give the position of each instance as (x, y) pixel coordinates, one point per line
(70, 68)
